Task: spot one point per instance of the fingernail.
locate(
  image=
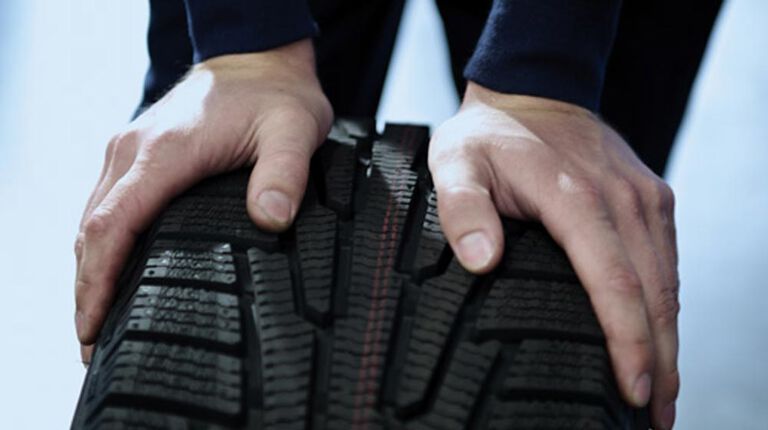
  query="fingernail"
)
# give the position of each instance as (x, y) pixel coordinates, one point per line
(80, 324)
(275, 205)
(668, 416)
(642, 390)
(475, 250)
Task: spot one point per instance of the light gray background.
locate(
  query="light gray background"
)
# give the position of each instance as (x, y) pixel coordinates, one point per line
(70, 75)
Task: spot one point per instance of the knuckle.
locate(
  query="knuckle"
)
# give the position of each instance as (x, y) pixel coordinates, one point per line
(658, 194)
(454, 191)
(625, 281)
(628, 197)
(82, 286)
(97, 225)
(663, 197)
(79, 242)
(295, 156)
(672, 383)
(110, 151)
(458, 199)
(618, 334)
(666, 307)
(286, 162)
(123, 145)
(624, 188)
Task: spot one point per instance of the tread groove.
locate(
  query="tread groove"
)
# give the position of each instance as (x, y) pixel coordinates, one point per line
(459, 330)
(478, 414)
(196, 342)
(252, 398)
(394, 361)
(297, 280)
(158, 404)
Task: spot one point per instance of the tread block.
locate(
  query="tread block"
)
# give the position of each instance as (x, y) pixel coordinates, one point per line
(188, 260)
(271, 274)
(232, 184)
(215, 217)
(189, 312)
(339, 163)
(185, 375)
(316, 243)
(119, 418)
(536, 252)
(549, 415)
(439, 303)
(432, 241)
(561, 369)
(459, 392)
(524, 307)
(286, 343)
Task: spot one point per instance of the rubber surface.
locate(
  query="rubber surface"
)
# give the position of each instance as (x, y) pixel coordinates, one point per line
(358, 317)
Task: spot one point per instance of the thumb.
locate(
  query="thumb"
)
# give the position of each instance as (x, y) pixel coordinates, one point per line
(468, 215)
(279, 178)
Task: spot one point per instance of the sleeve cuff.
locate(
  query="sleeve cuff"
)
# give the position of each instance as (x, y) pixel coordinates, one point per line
(219, 27)
(556, 49)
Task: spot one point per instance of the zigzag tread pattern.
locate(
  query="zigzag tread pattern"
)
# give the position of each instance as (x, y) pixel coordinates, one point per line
(220, 325)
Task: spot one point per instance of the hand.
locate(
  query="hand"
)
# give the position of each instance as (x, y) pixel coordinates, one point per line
(230, 111)
(532, 158)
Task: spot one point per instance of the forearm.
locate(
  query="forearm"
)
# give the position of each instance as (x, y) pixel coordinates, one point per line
(556, 49)
(239, 26)
(184, 32)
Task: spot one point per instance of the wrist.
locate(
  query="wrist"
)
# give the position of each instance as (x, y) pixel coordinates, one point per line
(478, 94)
(297, 56)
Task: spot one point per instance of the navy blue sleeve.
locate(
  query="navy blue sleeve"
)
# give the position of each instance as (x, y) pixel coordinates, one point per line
(556, 49)
(170, 50)
(219, 27)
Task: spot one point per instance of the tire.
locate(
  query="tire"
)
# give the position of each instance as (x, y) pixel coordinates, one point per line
(358, 317)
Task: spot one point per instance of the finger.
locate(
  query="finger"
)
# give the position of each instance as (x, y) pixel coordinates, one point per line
(102, 174)
(662, 299)
(279, 178)
(468, 215)
(648, 224)
(119, 157)
(580, 223)
(110, 232)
